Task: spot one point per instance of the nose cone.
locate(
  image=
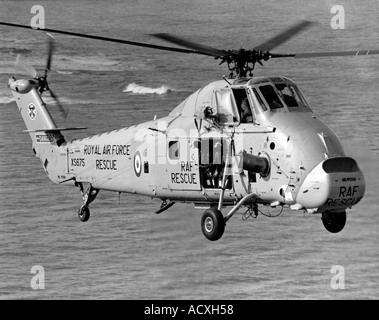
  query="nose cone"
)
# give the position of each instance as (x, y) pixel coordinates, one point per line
(335, 183)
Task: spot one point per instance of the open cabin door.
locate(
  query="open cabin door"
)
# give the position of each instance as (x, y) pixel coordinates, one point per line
(213, 152)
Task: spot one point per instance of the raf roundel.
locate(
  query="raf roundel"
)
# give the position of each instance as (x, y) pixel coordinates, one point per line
(32, 111)
(137, 164)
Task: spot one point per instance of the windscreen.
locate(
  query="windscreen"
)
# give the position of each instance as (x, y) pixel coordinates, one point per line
(271, 97)
(290, 95)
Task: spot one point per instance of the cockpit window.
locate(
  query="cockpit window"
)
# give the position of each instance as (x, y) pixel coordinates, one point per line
(243, 105)
(288, 94)
(291, 95)
(271, 97)
(300, 97)
(260, 101)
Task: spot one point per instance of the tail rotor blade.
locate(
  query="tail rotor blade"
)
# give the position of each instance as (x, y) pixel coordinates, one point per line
(21, 64)
(59, 105)
(50, 52)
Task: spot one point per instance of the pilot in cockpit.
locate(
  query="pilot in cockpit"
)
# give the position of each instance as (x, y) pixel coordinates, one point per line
(287, 95)
(246, 115)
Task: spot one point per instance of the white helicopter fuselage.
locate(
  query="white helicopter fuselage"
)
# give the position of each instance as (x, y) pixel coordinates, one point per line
(236, 143)
(164, 158)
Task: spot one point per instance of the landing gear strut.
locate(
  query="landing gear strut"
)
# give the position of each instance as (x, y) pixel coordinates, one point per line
(213, 222)
(88, 197)
(333, 221)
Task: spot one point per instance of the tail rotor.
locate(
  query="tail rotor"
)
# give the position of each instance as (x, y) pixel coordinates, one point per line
(42, 80)
(20, 64)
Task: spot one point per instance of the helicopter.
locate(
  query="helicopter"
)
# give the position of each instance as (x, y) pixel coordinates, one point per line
(240, 141)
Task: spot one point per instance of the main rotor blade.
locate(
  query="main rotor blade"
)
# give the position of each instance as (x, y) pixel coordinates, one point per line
(284, 36)
(192, 45)
(336, 53)
(88, 36)
(325, 54)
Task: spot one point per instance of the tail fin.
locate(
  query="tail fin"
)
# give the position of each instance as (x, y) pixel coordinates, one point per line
(41, 127)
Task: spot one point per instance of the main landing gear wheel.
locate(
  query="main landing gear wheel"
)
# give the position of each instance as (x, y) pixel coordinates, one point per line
(212, 224)
(334, 221)
(83, 213)
(88, 197)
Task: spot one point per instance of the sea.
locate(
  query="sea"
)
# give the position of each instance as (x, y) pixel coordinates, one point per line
(126, 251)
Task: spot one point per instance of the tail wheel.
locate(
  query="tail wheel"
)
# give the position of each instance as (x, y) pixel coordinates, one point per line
(84, 213)
(213, 224)
(334, 222)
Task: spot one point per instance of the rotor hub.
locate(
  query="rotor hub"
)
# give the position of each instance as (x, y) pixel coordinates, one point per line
(241, 62)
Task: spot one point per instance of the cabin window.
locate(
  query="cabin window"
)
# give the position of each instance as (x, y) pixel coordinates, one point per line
(173, 150)
(227, 112)
(271, 97)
